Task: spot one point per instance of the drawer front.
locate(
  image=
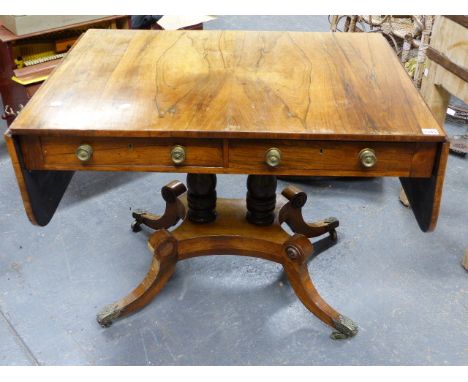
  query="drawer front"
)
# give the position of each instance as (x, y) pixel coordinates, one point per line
(329, 158)
(131, 153)
(308, 158)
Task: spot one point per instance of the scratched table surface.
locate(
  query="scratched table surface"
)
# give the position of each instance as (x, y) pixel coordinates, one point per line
(411, 302)
(237, 84)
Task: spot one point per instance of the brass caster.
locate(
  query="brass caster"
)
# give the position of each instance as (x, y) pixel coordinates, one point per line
(136, 226)
(333, 235)
(108, 315)
(332, 221)
(346, 328)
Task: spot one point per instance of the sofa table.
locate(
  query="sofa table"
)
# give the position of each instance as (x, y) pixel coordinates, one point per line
(229, 102)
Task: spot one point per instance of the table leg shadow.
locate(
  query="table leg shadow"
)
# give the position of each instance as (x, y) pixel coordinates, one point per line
(239, 227)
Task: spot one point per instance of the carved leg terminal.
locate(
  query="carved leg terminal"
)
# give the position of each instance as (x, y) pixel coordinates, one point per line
(174, 209)
(224, 226)
(297, 250)
(291, 214)
(164, 248)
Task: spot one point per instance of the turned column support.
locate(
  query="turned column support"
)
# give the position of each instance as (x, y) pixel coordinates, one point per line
(261, 199)
(230, 234)
(201, 197)
(175, 210)
(291, 214)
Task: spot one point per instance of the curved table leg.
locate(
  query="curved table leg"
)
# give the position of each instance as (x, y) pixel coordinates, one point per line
(164, 247)
(231, 234)
(292, 255)
(175, 209)
(298, 249)
(291, 214)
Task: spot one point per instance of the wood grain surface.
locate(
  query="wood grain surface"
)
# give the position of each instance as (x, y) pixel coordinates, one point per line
(238, 156)
(425, 194)
(230, 84)
(41, 191)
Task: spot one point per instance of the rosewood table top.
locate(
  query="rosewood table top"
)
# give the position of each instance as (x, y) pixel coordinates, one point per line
(234, 102)
(236, 84)
(318, 104)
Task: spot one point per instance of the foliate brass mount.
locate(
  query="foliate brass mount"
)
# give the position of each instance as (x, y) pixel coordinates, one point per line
(273, 157)
(292, 252)
(368, 157)
(84, 152)
(108, 315)
(345, 326)
(178, 154)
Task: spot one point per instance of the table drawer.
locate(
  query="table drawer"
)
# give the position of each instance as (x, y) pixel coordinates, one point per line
(330, 158)
(129, 153)
(308, 158)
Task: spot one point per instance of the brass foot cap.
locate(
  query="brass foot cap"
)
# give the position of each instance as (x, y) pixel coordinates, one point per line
(345, 326)
(108, 315)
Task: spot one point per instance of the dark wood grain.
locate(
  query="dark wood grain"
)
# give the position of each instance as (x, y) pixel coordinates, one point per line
(162, 267)
(14, 94)
(227, 98)
(174, 211)
(322, 158)
(261, 199)
(132, 152)
(291, 214)
(230, 84)
(133, 95)
(331, 158)
(229, 234)
(41, 191)
(425, 194)
(201, 197)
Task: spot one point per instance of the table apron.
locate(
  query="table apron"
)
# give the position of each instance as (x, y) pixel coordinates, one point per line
(230, 156)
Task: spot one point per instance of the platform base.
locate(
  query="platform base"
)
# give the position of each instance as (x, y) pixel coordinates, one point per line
(232, 234)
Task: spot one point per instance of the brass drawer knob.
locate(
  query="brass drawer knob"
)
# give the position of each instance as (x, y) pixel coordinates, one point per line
(178, 154)
(273, 157)
(368, 157)
(84, 152)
